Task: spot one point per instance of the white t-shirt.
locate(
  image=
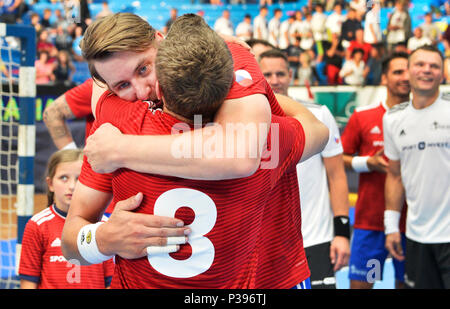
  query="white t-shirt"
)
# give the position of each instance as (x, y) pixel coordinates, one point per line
(260, 23)
(224, 26)
(420, 139)
(414, 43)
(334, 22)
(284, 40)
(318, 21)
(244, 30)
(274, 31)
(396, 36)
(372, 18)
(317, 215)
(357, 77)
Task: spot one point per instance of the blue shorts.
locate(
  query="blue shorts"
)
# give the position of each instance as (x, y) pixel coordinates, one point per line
(304, 285)
(368, 254)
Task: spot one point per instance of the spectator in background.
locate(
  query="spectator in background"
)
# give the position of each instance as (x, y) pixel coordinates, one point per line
(223, 24)
(307, 42)
(76, 50)
(333, 57)
(318, 28)
(62, 39)
(417, 40)
(399, 26)
(13, 10)
(335, 20)
(372, 29)
(105, 10)
(430, 29)
(274, 27)
(244, 29)
(260, 30)
(360, 8)
(349, 27)
(293, 55)
(46, 16)
(44, 44)
(358, 42)
(44, 69)
(285, 31)
(354, 70)
(64, 68)
(296, 27)
(374, 65)
(173, 16)
(60, 20)
(265, 2)
(307, 74)
(35, 22)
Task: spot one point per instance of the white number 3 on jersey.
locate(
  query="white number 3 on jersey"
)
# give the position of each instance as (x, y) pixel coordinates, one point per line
(202, 255)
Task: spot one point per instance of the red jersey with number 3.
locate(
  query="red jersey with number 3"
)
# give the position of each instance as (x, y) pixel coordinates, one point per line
(225, 216)
(363, 135)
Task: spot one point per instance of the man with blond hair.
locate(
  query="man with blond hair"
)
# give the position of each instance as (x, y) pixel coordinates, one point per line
(105, 69)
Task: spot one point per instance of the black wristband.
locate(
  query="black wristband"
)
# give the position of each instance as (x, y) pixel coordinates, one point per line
(342, 226)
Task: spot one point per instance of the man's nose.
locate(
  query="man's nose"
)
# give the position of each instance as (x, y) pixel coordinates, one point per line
(142, 91)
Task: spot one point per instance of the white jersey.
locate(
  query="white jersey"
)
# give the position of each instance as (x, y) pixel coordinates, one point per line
(420, 139)
(260, 23)
(284, 34)
(274, 31)
(317, 216)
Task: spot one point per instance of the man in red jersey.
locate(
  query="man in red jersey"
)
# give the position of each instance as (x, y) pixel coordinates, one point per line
(74, 103)
(185, 271)
(363, 136)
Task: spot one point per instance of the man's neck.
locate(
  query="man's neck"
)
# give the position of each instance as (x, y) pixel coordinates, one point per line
(421, 101)
(393, 100)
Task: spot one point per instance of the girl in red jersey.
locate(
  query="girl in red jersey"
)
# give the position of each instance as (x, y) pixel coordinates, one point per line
(42, 264)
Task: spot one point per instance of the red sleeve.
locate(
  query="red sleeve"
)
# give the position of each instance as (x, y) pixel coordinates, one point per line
(79, 99)
(32, 251)
(248, 78)
(91, 179)
(287, 140)
(350, 137)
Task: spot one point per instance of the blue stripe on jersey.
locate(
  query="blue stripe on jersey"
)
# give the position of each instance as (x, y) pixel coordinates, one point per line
(304, 285)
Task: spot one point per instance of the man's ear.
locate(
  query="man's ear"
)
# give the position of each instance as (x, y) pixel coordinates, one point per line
(158, 90)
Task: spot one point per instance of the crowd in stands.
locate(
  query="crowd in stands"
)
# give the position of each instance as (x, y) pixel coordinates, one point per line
(338, 42)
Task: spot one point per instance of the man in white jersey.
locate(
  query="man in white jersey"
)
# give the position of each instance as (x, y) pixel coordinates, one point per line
(326, 251)
(417, 143)
(260, 30)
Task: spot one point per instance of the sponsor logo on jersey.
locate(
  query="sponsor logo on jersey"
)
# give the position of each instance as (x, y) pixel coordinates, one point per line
(56, 242)
(375, 130)
(57, 258)
(439, 126)
(243, 78)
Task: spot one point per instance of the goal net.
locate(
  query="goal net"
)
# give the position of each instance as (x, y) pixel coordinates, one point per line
(17, 119)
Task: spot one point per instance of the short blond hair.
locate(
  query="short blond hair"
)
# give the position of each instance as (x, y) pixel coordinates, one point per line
(115, 33)
(194, 68)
